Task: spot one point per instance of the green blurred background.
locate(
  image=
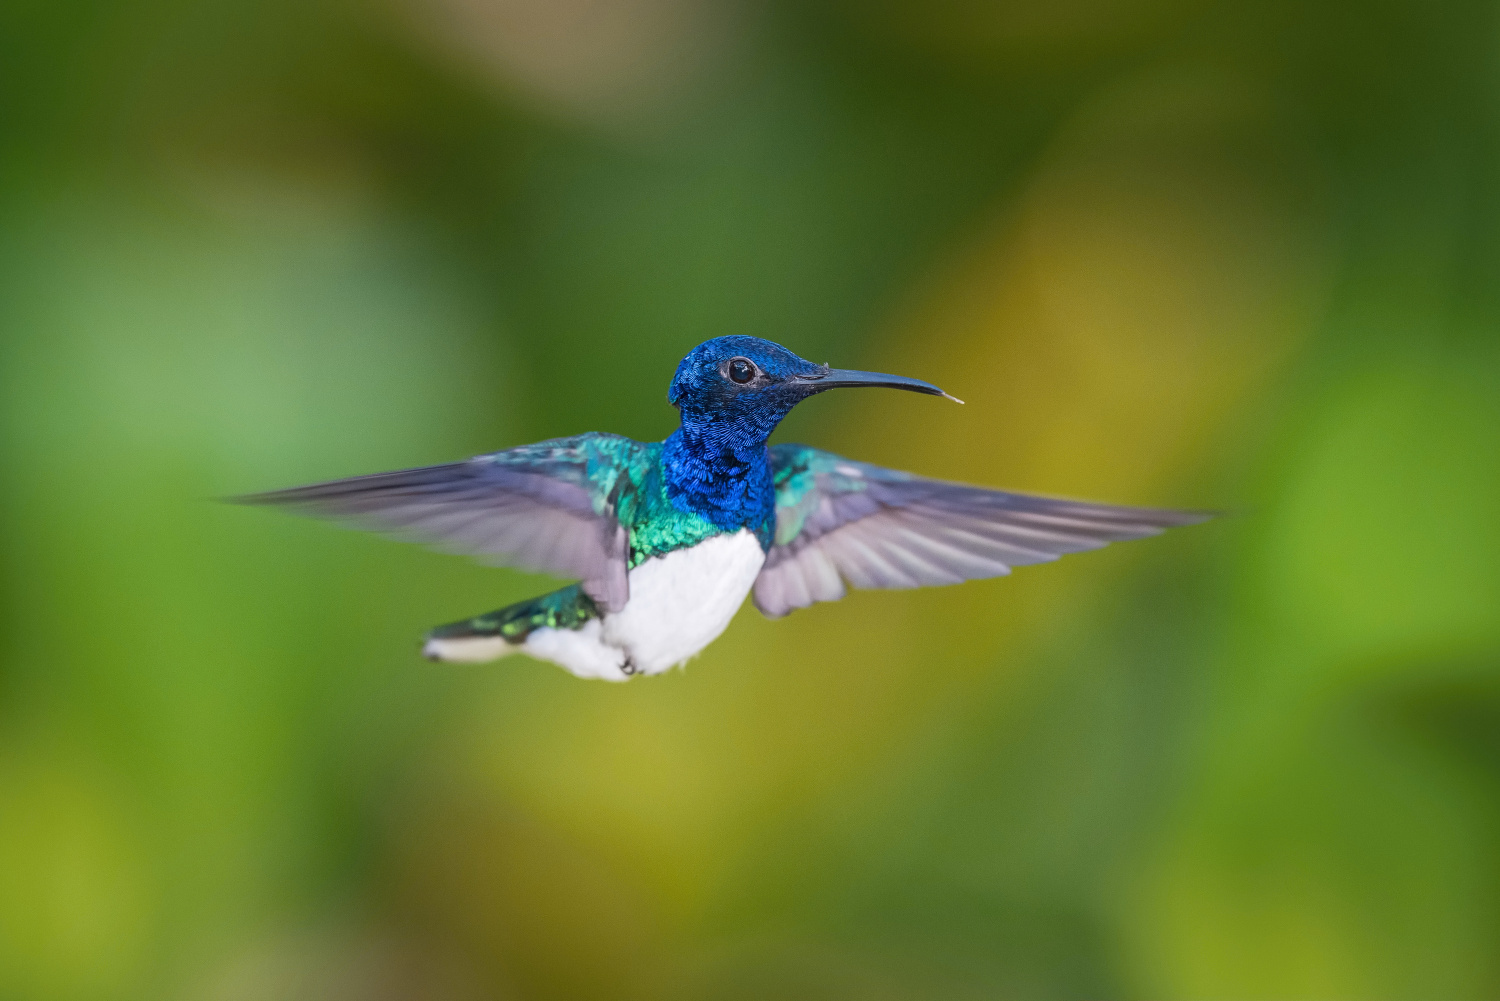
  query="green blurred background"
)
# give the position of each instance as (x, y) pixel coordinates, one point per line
(1177, 252)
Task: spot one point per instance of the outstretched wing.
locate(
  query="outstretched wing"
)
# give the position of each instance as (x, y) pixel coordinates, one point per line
(549, 507)
(841, 521)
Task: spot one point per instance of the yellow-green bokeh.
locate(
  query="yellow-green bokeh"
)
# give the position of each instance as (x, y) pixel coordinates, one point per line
(1169, 252)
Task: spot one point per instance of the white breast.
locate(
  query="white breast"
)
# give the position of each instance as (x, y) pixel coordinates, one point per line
(681, 602)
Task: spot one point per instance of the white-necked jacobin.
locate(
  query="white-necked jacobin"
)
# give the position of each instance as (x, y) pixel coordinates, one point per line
(666, 538)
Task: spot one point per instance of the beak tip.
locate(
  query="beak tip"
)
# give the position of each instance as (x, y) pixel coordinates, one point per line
(841, 377)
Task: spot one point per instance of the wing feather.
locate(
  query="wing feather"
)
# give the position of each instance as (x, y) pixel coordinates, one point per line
(539, 507)
(842, 522)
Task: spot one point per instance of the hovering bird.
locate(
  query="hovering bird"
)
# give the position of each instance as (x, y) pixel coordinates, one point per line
(666, 538)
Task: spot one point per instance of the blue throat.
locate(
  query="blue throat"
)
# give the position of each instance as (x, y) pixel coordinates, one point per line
(720, 470)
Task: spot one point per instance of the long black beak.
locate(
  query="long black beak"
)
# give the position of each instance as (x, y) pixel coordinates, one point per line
(848, 378)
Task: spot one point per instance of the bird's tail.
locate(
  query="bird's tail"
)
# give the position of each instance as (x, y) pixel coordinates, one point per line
(495, 634)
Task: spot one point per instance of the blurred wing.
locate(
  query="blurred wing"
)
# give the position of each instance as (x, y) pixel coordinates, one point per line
(839, 521)
(548, 507)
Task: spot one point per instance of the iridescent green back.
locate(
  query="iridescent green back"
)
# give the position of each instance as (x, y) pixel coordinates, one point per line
(622, 476)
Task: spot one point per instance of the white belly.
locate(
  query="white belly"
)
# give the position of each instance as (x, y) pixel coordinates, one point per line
(679, 604)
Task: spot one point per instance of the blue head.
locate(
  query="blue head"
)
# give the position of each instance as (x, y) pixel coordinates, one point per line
(732, 392)
(735, 390)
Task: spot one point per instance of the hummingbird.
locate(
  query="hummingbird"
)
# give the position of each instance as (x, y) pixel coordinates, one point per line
(665, 539)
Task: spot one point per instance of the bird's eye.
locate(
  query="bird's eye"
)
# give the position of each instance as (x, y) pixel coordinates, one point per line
(741, 370)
